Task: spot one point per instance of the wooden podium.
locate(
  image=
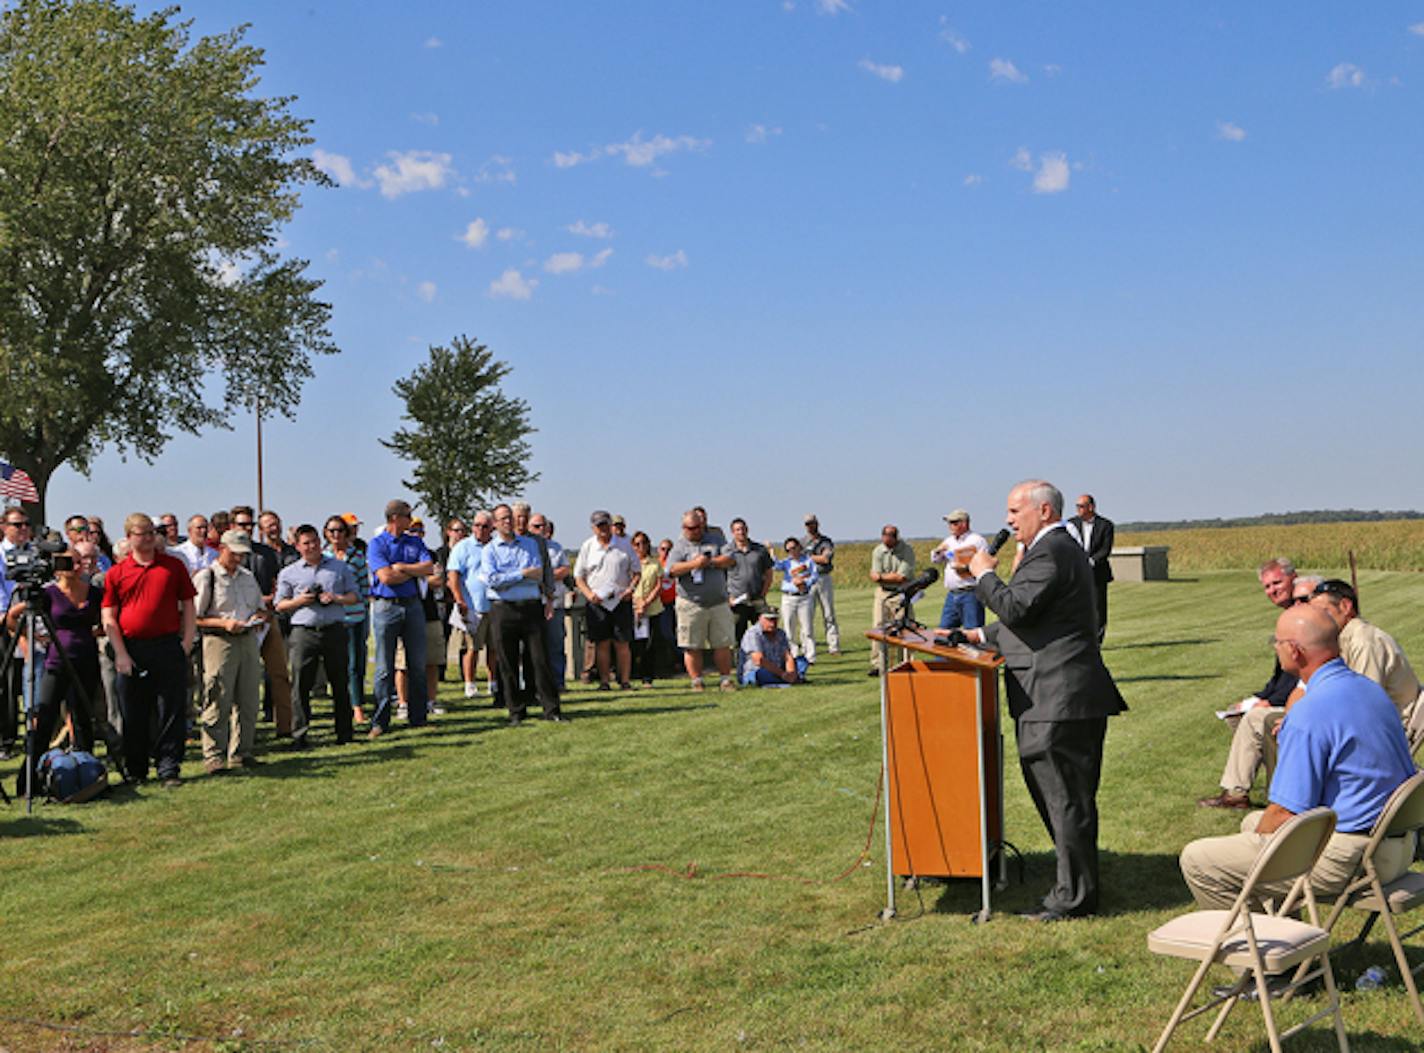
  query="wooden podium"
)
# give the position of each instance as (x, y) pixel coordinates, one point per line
(944, 763)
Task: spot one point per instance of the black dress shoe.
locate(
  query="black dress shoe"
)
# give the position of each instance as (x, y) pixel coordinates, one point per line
(514, 722)
(557, 718)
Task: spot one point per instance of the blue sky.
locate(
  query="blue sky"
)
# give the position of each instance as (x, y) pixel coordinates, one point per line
(866, 259)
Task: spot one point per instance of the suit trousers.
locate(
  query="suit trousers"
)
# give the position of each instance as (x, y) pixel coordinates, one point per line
(1062, 761)
(516, 625)
(324, 647)
(1101, 590)
(158, 689)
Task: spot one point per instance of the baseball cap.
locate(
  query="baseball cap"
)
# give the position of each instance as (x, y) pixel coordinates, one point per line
(600, 518)
(237, 540)
(957, 515)
(619, 521)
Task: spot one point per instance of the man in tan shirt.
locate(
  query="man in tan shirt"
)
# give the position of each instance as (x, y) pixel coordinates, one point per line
(1366, 648)
(892, 563)
(230, 608)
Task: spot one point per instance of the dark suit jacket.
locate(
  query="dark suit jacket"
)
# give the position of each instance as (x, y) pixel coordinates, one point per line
(1100, 546)
(1048, 634)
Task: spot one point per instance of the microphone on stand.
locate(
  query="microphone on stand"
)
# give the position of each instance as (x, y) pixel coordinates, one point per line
(914, 585)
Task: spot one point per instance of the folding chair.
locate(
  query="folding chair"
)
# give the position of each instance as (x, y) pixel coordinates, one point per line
(1403, 812)
(1259, 944)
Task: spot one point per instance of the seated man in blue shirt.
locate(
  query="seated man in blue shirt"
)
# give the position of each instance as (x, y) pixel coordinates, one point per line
(1342, 746)
(767, 660)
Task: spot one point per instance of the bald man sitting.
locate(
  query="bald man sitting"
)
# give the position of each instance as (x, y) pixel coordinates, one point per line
(1342, 746)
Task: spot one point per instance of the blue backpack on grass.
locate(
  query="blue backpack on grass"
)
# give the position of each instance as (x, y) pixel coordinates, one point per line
(72, 776)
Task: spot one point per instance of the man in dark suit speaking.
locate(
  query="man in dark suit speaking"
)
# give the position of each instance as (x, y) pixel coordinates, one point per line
(1095, 534)
(1059, 692)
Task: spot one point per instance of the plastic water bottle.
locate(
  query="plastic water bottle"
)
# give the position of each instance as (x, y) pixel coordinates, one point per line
(1372, 979)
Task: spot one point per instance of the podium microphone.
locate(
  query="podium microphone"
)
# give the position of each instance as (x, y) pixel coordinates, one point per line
(998, 542)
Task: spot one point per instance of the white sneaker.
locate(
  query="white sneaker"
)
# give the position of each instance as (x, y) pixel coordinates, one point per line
(435, 709)
(402, 713)
(472, 689)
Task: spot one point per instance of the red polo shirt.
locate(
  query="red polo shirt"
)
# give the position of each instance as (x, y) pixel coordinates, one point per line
(147, 595)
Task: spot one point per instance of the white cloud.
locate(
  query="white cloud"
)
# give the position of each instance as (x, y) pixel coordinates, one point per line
(511, 285)
(603, 290)
(1001, 69)
(476, 234)
(498, 169)
(426, 291)
(434, 42)
(338, 166)
(1346, 75)
(1417, 29)
(949, 35)
(676, 261)
(1232, 133)
(637, 151)
(590, 230)
(412, 171)
(893, 74)
(599, 258)
(564, 263)
(1052, 69)
(760, 133)
(1022, 159)
(426, 118)
(973, 179)
(508, 233)
(1052, 176)
(831, 7)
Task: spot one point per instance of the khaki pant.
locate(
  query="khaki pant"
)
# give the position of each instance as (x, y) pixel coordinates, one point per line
(887, 607)
(1248, 747)
(232, 696)
(274, 661)
(1216, 867)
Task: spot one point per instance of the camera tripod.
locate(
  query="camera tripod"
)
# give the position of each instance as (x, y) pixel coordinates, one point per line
(36, 603)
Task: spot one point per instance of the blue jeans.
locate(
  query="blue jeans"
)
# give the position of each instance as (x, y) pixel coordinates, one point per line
(356, 634)
(962, 610)
(758, 677)
(392, 620)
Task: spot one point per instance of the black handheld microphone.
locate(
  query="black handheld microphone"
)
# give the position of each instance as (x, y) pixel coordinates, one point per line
(914, 585)
(998, 542)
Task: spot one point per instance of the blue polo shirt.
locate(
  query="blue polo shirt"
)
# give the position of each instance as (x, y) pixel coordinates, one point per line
(383, 550)
(1342, 745)
(465, 562)
(502, 563)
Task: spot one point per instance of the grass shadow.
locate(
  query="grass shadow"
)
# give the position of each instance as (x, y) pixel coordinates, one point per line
(1162, 643)
(1165, 677)
(1130, 883)
(39, 826)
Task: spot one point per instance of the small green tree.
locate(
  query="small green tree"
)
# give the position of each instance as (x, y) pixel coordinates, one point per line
(142, 187)
(467, 440)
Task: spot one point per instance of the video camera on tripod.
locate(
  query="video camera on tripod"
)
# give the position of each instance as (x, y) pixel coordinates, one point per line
(32, 566)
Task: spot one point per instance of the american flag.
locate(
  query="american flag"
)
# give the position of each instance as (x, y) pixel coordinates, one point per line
(17, 484)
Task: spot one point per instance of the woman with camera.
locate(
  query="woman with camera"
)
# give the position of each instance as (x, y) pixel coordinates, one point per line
(74, 608)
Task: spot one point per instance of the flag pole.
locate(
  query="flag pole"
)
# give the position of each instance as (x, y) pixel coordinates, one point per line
(257, 409)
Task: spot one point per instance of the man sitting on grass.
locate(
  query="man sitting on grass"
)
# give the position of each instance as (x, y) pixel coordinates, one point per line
(1342, 746)
(766, 655)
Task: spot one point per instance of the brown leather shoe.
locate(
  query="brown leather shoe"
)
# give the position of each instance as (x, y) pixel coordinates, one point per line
(1226, 800)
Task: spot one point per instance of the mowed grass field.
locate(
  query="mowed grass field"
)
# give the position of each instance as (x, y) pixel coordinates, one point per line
(659, 874)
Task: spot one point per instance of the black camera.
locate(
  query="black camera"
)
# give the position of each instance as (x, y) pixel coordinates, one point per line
(34, 564)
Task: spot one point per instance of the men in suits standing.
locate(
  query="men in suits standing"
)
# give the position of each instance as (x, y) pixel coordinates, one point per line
(1095, 534)
(1060, 694)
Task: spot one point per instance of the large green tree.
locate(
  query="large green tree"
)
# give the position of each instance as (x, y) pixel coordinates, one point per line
(466, 441)
(143, 183)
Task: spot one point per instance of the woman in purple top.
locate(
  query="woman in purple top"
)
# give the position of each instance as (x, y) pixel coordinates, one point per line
(74, 607)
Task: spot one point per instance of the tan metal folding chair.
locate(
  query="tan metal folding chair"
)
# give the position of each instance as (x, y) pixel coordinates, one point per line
(1403, 813)
(1259, 944)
